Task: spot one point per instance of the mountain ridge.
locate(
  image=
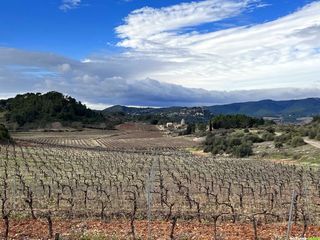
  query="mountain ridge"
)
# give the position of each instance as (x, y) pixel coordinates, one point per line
(306, 107)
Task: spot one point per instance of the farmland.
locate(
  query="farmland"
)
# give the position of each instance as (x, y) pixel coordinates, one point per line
(126, 137)
(135, 182)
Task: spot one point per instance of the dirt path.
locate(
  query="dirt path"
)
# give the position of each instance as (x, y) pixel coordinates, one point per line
(314, 143)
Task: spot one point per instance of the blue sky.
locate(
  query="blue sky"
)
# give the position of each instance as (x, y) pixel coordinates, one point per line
(41, 26)
(161, 52)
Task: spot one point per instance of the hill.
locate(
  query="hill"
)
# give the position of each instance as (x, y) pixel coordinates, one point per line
(160, 115)
(270, 108)
(266, 108)
(141, 111)
(32, 110)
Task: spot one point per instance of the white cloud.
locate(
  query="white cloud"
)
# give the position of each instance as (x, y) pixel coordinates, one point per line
(147, 27)
(280, 53)
(96, 106)
(65, 67)
(107, 82)
(69, 4)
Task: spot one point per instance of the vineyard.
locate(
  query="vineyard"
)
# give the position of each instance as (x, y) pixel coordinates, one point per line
(134, 194)
(128, 137)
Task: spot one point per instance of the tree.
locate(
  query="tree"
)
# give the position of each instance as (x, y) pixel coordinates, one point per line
(191, 128)
(235, 121)
(4, 134)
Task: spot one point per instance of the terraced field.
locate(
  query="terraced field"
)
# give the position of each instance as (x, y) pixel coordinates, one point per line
(126, 137)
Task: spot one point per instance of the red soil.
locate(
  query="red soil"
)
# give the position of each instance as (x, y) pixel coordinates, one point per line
(37, 229)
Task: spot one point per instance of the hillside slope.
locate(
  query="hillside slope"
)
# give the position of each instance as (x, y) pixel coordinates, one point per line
(37, 110)
(297, 108)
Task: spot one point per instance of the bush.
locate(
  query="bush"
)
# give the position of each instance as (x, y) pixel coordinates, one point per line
(316, 119)
(267, 136)
(253, 138)
(154, 121)
(4, 134)
(283, 138)
(297, 141)
(243, 150)
(278, 145)
(191, 128)
(312, 134)
(230, 144)
(234, 141)
(270, 129)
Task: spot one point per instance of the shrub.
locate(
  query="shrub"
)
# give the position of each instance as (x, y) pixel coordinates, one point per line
(154, 121)
(283, 138)
(253, 138)
(316, 119)
(234, 141)
(297, 141)
(267, 136)
(231, 144)
(243, 150)
(278, 145)
(270, 129)
(4, 134)
(312, 134)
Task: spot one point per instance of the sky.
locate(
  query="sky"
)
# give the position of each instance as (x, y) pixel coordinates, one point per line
(161, 52)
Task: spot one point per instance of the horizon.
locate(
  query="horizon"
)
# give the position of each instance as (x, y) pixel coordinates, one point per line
(100, 107)
(161, 53)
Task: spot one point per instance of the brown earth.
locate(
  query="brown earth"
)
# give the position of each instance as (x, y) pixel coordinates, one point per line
(77, 229)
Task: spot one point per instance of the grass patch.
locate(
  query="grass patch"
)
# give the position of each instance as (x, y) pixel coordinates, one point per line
(304, 155)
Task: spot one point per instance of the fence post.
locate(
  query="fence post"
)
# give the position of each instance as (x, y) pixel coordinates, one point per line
(290, 215)
(149, 188)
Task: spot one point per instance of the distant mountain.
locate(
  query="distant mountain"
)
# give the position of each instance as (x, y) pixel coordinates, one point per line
(160, 115)
(129, 110)
(264, 108)
(270, 108)
(140, 111)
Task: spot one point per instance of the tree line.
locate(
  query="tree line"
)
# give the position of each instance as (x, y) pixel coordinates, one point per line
(36, 109)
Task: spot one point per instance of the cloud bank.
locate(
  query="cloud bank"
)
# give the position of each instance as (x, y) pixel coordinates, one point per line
(97, 83)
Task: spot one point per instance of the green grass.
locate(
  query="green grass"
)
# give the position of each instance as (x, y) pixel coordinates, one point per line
(304, 155)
